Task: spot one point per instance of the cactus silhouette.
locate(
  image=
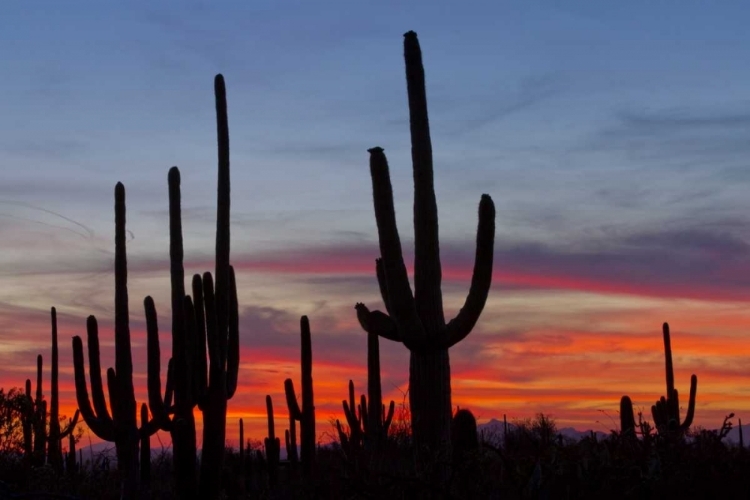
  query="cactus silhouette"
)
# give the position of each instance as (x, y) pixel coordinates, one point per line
(179, 419)
(369, 422)
(56, 435)
(70, 459)
(464, 437)
(290, 441)
(209, 317)
(417, 319)
(273, 446)
(666, 411)
(121, 426)
(40, 417)
(306, 414)
(221, 321)
(27, 424)
(34, 420)
(627, 418)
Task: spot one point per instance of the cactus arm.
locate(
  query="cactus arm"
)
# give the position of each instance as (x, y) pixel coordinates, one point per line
(158, 407)
(669, 368)
(481, 279)
(388, 417)
(200, 367)
(212, 332)
(71, 425)
(399, 292)
(378, 323)
(349, 409)
(101, 425)
(427, 271)
(169, 391)
(383, 284)
(691, 404)
(233, 345)
(291, 400)
(95, 371)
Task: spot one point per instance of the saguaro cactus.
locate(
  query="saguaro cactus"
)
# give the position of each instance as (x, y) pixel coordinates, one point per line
(121, 426)
(273, 446)
(306, 414)
(27, 424)
(417, 319)
(40, 418)
(181, 425)
(221, 320)
(210, 317)
(666, 411)
(56, 435)
(627, 418)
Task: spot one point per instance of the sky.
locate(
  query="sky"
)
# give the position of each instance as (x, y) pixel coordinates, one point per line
(612, 137)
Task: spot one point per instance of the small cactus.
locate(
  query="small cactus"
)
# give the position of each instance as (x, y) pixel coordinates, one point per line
(666, 411)
(273, 447)
(305, 414)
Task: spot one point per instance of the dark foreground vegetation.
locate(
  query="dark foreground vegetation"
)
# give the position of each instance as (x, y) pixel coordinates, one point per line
(423, 450)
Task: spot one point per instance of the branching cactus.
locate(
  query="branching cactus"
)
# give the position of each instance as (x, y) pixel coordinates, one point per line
(273, 446)
(179, 419)
(666, 411)
(206, 378)
(34, 421)
(305, 414)
(221, 321)
(56, 435)
(416, 319)
(120, 426)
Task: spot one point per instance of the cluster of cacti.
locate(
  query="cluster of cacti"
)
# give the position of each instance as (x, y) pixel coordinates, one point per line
(666, 411)
(42, 437)
(197, 376)
(368, 421)
(57, 435)
(416, 319)
(305, 414)
(203, 368)
(34, 420)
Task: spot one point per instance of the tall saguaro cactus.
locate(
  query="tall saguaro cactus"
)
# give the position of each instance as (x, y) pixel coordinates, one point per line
(305, 414)
(221, 320)
(416, 319)
(56, 435)
(121, 426)
(666, 411)
(181, 424)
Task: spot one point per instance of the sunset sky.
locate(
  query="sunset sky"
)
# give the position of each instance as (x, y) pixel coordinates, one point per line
(612, 136)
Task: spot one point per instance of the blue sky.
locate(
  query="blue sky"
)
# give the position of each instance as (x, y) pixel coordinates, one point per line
(613, 137)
